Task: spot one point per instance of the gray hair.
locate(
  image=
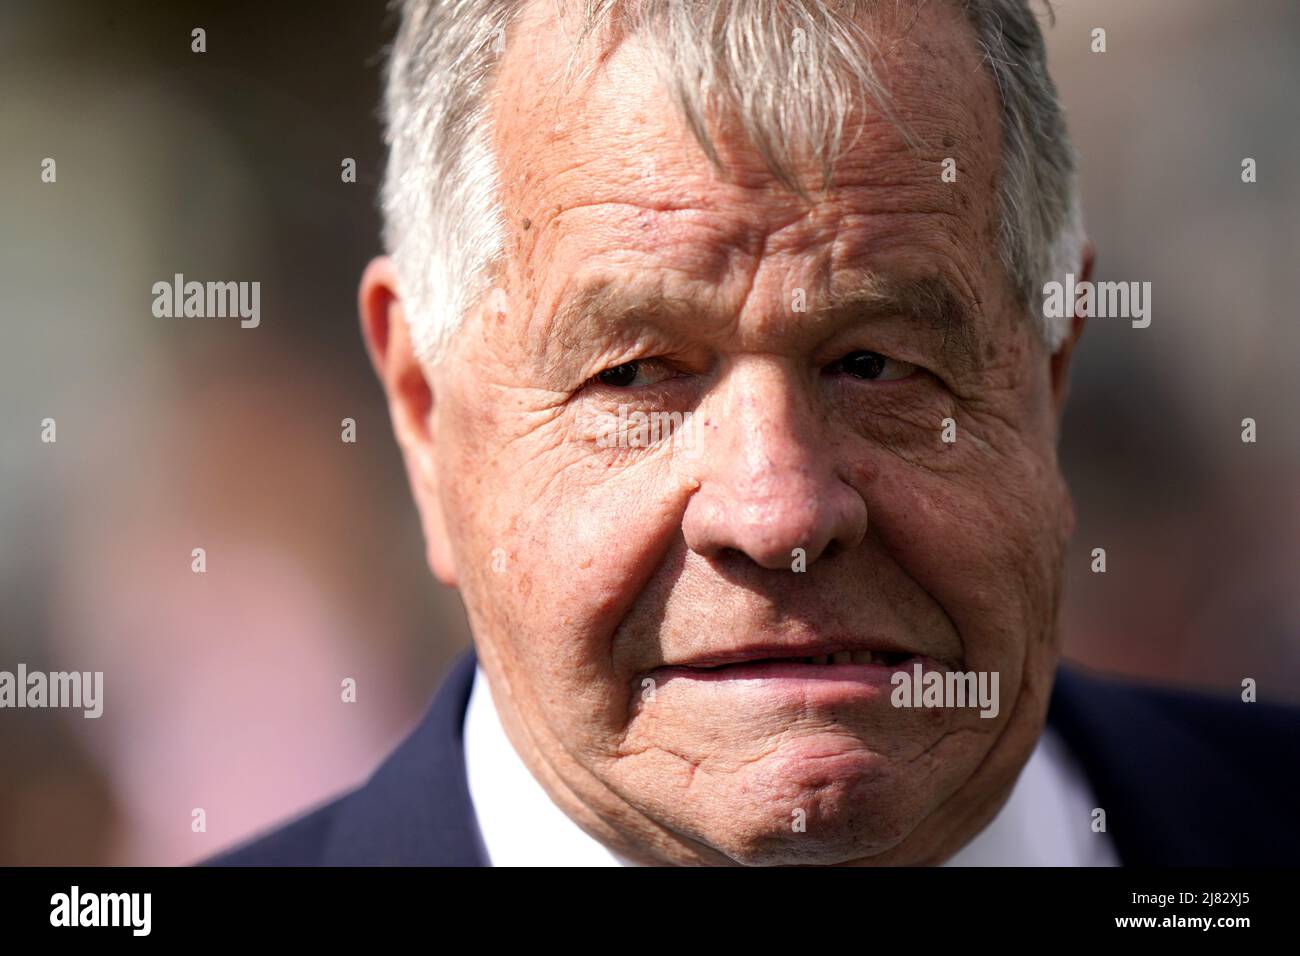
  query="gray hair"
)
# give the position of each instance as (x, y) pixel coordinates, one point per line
(792, 73)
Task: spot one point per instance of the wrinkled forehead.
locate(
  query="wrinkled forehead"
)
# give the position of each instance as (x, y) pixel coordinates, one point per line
(628, 93)
(602, 159)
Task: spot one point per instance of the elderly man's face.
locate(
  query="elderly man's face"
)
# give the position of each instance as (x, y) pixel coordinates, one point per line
(617, 587)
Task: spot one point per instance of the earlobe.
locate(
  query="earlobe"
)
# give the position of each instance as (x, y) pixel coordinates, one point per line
(1060, 361)
(1060, 365)
(1089, 260)
(409, 390)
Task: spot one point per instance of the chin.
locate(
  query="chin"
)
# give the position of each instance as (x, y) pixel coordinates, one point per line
(854, 837)
(852, 807)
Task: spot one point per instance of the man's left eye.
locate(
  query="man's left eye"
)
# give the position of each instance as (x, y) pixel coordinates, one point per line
(873, 367)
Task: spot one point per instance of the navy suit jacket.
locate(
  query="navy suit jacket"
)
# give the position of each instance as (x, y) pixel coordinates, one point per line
(1184, 779)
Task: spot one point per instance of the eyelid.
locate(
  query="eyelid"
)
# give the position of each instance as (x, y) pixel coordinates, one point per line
(664, 369)
(653, 363)
(909, 369)
(906, 369)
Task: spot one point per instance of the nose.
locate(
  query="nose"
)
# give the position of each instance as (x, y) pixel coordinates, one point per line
(768, 477)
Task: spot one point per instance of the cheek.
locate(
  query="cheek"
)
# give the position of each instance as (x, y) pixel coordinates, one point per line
(559, 544)
(985, 538)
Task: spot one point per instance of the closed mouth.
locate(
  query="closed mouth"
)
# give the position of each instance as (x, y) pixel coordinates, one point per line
(858, 657)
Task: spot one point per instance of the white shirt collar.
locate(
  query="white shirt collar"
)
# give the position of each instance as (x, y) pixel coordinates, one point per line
(1047, 820)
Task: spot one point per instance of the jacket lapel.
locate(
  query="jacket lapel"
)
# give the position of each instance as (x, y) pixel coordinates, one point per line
(416, 810)
(1137, 760)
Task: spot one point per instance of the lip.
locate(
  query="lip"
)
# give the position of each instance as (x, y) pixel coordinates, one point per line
(873, 654)
(785, 670)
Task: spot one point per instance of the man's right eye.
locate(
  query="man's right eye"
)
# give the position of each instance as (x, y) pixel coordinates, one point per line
(640, 372)
(620, 376)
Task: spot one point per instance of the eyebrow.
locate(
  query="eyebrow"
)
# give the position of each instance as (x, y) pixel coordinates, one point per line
(612, 303)
(606, 304)
(930, 299)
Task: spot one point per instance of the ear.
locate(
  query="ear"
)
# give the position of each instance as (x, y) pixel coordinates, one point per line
(411, 404)
(1060, 361)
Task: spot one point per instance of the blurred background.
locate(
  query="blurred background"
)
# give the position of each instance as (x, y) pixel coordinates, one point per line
(223, 688)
